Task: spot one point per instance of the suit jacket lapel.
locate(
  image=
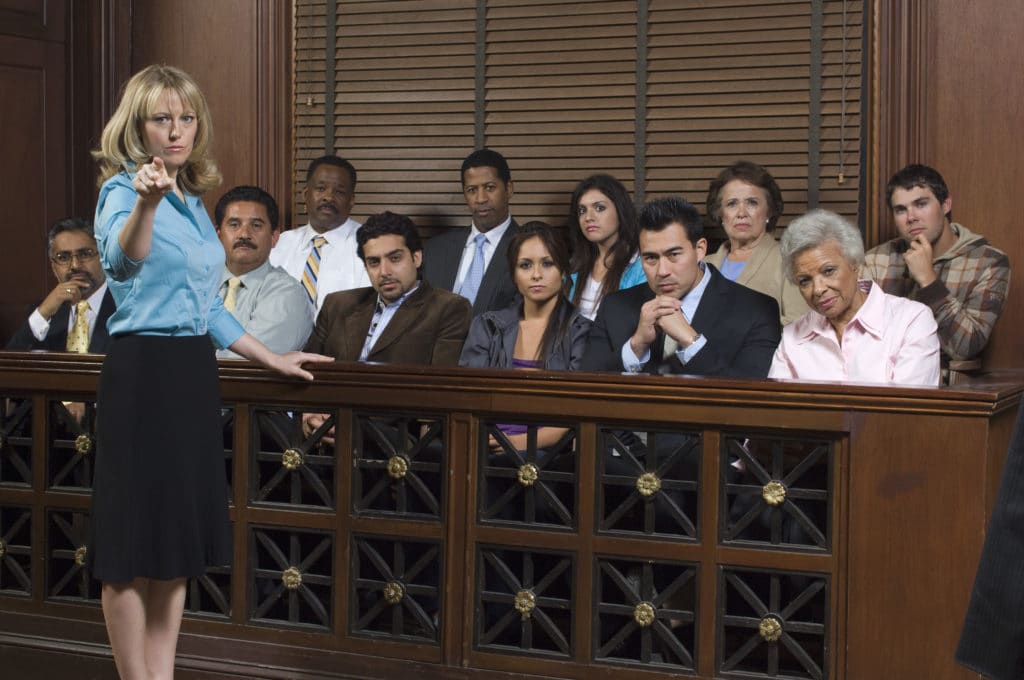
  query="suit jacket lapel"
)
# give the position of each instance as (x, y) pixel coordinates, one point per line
(100, 334)
(357, 324)
(57, 336)
(711, 308)
(404, 317)
(451, 258)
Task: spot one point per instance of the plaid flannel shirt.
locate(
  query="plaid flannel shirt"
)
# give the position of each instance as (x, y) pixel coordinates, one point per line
(966, 298)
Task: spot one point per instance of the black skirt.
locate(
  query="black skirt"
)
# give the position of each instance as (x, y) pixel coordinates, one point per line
(160, 500)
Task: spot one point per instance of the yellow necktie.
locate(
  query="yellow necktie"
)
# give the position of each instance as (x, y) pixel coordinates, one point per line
(78, 338)
(231, 299)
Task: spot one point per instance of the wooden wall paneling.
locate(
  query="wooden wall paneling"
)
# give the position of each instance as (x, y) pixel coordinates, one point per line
(901, 113)
(941, 72)
(234, 50)
(925, 511)
(975, 111)
(34, 173)
(36, 19)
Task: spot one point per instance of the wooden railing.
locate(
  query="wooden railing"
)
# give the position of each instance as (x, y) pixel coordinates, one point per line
(686, 527)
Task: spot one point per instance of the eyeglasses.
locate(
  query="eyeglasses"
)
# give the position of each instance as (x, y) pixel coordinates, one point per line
(64, 257)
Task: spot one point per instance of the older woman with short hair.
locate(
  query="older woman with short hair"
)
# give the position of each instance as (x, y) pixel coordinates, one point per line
(854, 331)
(747, 202)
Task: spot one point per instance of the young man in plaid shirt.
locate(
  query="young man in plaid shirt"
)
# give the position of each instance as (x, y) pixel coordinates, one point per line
(940, 263)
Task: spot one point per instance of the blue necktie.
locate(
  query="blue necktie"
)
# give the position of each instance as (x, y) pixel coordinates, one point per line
(475, 275)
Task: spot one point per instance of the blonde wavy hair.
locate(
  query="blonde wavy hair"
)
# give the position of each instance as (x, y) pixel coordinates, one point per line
(122, 145)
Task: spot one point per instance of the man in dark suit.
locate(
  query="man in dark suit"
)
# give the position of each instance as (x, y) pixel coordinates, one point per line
(688, 319)
(473, 261)
(79, 305)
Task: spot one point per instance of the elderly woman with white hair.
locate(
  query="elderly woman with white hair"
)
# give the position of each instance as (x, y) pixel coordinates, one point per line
(854, 331)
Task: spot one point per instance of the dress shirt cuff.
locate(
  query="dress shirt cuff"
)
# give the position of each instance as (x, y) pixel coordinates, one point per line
(40, 326)
(630, 361)
(685, 354)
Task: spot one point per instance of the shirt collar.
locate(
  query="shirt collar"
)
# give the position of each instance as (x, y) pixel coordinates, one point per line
(870, 316)
(381, 305)
(494, 235)
(339, 233)
(250, 278)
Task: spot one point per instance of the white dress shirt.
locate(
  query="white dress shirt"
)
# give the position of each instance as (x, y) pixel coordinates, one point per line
(340, 267)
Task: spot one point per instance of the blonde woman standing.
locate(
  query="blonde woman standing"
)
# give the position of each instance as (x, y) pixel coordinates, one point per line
(160, 495)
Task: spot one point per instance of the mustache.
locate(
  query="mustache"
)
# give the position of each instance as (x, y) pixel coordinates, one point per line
(244, 243)
(326, 204)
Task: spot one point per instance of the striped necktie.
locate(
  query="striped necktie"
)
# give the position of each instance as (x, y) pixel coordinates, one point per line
(312, 269)
(78, 338)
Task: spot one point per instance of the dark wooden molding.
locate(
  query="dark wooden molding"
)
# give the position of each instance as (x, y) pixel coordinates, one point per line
(899, 108)
(274, 102)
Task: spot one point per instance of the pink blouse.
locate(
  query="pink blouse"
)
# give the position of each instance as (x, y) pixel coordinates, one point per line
(890, 340)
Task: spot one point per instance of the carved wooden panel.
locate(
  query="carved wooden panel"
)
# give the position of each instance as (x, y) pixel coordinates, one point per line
(291, 578)
(15, 442)
(533, 485)
(649, 481)
(524, 602)
(287, 468)
(71, 441)
(395, 588)
(67, 549)
(773, 624)
(399, 466)
(15, 550)
(646, 613)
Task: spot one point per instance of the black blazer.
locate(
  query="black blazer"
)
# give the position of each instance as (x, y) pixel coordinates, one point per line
(992, 639)
(741, 326)
(442, 255)
(56, 339)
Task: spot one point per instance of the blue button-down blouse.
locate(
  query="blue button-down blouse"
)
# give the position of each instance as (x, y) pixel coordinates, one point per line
(173, 290)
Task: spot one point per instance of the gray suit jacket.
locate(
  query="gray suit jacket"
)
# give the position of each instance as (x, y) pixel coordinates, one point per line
(442, 255)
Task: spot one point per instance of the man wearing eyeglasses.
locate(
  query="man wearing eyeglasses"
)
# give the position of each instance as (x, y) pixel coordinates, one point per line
(73, 317)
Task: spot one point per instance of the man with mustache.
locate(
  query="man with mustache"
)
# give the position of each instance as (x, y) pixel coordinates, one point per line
(322, 254)
(270, 304)
(62, 322)
(473, 261)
